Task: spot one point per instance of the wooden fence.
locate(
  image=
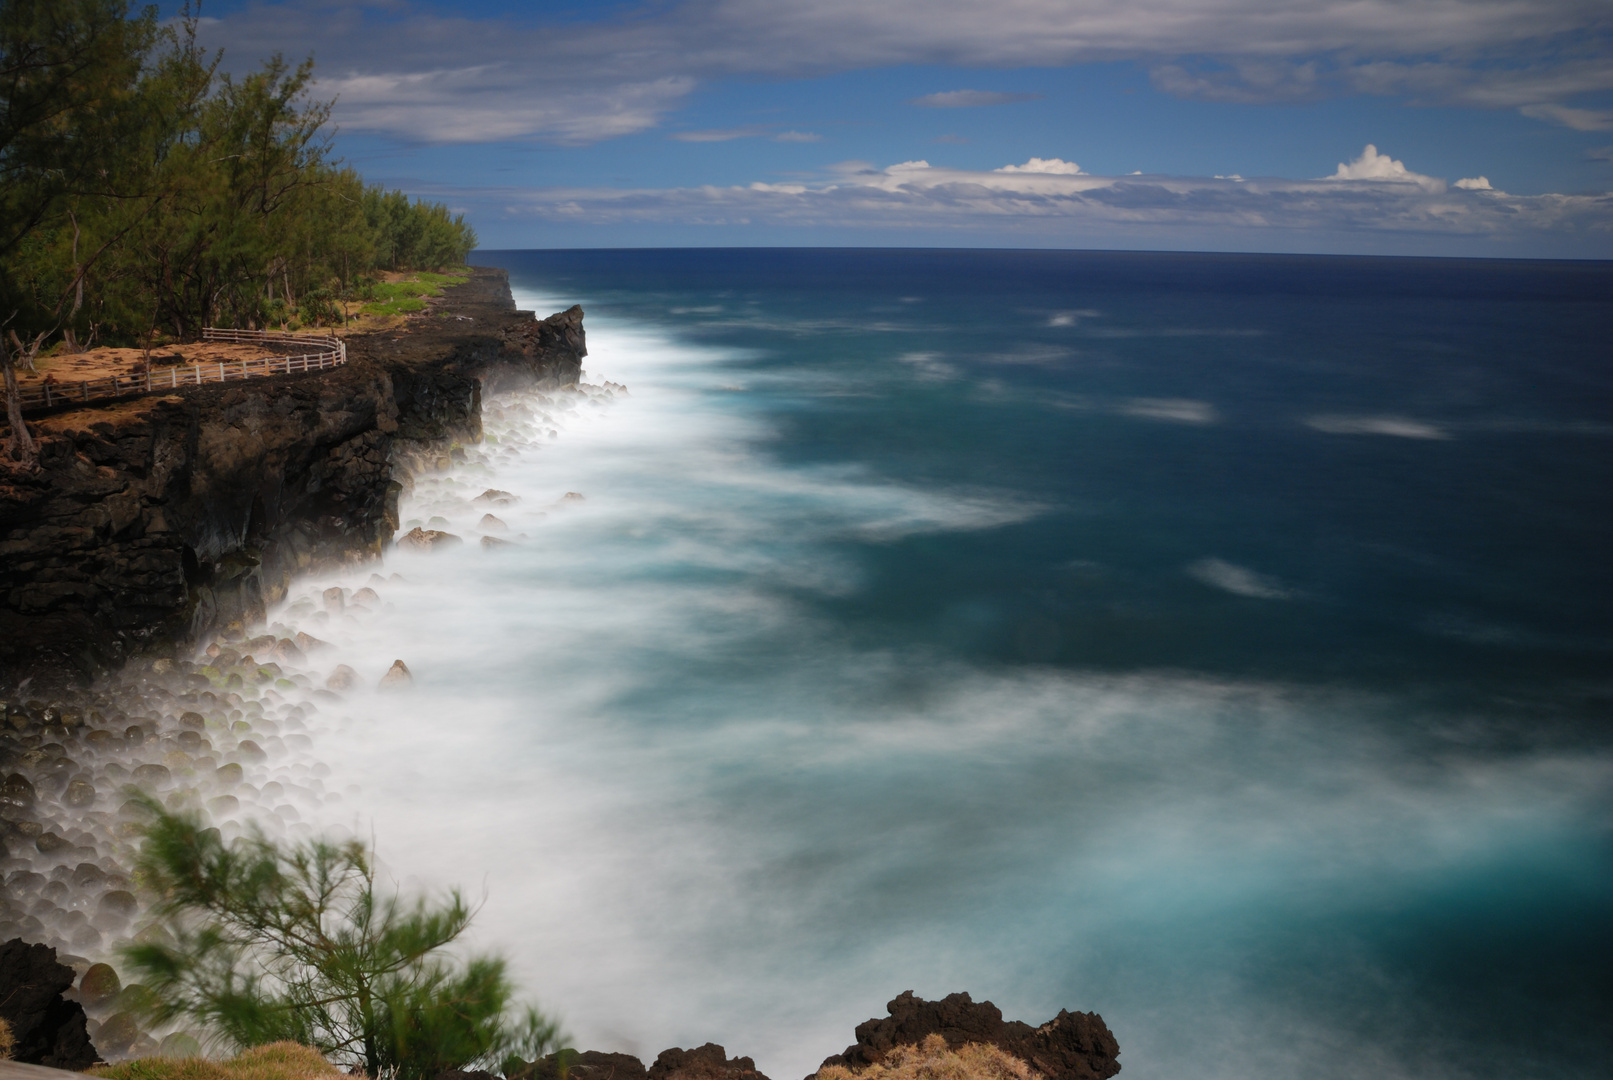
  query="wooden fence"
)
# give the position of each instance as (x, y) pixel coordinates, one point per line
(329, 352)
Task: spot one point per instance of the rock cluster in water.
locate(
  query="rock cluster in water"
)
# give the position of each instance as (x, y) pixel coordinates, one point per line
(226, 737)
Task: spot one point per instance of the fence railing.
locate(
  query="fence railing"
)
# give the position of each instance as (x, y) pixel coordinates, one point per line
(328, 352)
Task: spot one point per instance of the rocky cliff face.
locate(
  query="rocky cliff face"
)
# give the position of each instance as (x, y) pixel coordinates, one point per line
(154, 521)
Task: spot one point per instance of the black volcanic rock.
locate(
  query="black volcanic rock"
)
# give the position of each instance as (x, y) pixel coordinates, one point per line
(153, 522)
(1071, 1046)
(708, 1062)
(587, 1065)
(48, 1029)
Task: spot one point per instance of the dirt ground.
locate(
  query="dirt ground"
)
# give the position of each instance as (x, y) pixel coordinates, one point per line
(105, 362)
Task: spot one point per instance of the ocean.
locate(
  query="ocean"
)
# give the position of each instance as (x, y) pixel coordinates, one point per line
(1220, 643)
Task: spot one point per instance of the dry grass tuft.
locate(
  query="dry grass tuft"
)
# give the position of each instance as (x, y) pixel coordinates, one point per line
(276, 1061)
(7, 1041)
(931, 1060)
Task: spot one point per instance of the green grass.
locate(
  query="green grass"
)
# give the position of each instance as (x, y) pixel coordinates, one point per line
(402, 297)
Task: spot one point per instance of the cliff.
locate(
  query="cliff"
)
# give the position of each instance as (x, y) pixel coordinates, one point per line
(153, 521)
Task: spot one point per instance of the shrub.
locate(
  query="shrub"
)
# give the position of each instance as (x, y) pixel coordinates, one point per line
(264, 944)
(931, 1060)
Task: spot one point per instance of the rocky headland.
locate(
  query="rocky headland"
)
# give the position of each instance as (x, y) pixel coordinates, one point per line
(155, 521)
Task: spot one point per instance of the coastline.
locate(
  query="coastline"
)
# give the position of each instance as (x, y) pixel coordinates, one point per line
(159, 524)
(235, 733)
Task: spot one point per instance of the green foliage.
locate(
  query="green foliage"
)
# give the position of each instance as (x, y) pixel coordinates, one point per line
(399, 297)
(141, 189)
(263, 943)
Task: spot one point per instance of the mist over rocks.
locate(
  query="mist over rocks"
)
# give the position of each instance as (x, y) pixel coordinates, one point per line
(418, 539)
(1071, 1046)
(220, 727)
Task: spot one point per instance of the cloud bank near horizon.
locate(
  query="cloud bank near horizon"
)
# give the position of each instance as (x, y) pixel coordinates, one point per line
(1053, 200)
(405, 71)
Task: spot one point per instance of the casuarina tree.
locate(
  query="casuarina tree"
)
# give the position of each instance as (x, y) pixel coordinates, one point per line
(262, 942)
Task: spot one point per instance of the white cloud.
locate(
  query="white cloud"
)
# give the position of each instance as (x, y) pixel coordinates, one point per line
(1374, 166)
(971, 99)
(798, 137)
(719, 135)
(1070, 209)
(1578, 119)
(584, 80)
(1474, 183)
(483, 103)
(1044, 165)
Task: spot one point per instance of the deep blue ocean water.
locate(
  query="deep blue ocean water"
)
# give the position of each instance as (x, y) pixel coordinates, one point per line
(1222, 643)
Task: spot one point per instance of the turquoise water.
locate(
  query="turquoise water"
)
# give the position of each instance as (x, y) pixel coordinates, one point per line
(1220, 643)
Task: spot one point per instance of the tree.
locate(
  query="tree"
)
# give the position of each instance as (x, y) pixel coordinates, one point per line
(84, 114)
(140, 190)
(268, 943)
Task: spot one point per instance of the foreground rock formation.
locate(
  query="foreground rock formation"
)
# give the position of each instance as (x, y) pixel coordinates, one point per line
(1071, 1046)
(154, 521)
(47, 1028)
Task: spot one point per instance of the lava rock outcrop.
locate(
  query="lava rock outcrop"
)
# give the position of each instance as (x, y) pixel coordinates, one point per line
(708, 1062)
(48, 1029)
(1071, 1046)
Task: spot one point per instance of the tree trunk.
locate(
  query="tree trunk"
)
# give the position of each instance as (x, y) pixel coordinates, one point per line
(21, 444)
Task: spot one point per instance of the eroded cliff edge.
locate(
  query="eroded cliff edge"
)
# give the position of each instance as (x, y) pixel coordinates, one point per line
(154, 521)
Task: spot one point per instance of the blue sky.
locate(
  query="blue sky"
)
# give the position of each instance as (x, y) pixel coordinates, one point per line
(1161, 124)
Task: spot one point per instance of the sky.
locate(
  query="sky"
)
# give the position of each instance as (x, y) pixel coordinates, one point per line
(1404, 127)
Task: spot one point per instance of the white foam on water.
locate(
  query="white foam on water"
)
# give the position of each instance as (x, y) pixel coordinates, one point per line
(1239, 580)
(698, 812)
(1399, 427)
